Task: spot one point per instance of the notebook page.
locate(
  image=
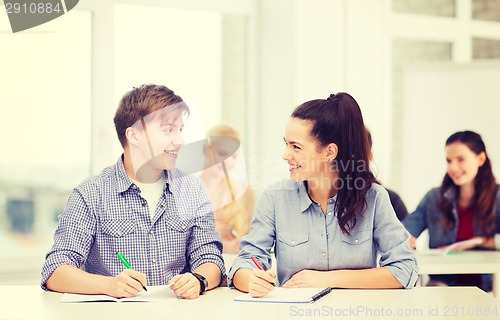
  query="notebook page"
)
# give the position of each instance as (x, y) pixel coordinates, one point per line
(154, 294)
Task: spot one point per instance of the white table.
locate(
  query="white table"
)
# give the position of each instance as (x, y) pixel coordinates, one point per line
(462, 262)
(30, 302)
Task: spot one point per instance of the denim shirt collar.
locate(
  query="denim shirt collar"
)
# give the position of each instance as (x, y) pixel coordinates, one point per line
(451, 194)
(305, 200)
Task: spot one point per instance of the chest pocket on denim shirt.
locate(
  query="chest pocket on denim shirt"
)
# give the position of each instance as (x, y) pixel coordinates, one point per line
(119, 231)
(293, 248)
(358, 247)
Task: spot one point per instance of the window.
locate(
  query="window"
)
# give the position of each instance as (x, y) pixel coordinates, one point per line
(64, 80)
(488, 10)
(485, 49)
(442, 8)
(430, 31)
(46, 112)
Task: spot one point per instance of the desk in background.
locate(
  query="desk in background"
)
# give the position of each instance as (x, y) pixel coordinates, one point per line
(31, 302)
(462, 262)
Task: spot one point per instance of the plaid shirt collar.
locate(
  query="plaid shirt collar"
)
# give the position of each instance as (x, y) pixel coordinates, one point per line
(123, 181)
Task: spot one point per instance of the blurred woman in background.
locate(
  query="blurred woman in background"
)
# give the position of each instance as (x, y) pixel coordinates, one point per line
(232, 199)
(466, 206)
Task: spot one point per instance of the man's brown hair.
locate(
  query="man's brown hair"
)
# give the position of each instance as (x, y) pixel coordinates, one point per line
(139, 102)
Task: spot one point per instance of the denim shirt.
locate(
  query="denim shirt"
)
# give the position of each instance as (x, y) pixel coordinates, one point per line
(429, 216)
(304, 238)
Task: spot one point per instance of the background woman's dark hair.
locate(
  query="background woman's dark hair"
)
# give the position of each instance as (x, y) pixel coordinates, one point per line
(338, 120)
(485, 186)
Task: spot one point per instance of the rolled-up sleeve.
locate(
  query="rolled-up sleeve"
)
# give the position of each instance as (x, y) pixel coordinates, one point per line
(205, 244)
(416, 222)
(260, 239)
(72, 239)
(392, 239)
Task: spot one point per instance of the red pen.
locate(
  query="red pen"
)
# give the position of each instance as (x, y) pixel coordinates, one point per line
(258, 265)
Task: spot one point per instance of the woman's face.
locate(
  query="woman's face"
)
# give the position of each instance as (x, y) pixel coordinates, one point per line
(463, 163)
(225, 149)
(305, 161)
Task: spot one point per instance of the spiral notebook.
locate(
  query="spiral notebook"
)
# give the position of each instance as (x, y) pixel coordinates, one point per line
(288, 295)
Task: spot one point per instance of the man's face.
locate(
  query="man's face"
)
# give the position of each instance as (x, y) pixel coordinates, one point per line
(160, 139)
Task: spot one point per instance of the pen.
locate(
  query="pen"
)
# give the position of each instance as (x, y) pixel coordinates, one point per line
(257, 263)
(259, 266)
(126, 264)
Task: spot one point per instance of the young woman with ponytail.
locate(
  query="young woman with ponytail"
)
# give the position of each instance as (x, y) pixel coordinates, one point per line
(330, 220)
(465, 206)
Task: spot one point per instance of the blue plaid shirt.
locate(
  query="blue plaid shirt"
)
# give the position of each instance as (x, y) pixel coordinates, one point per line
(106, 214)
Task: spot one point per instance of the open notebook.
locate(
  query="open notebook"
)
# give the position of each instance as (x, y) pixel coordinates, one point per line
(288, 295)
(154, 294)
(452, 247)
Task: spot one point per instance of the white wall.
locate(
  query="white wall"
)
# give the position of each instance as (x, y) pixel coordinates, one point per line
(440, 99)
(309, 49)
(275, 84)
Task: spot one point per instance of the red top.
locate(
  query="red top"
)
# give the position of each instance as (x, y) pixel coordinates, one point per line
(465, 223)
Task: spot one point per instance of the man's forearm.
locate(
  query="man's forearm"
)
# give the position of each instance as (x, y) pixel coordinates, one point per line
(211, 272)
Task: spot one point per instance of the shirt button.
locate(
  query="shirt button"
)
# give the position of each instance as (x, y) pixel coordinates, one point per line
(119, 233)
(330, 201)
(134, 186)
(356, 240)
(324, 254)
(293, 241)
(153, 260)
(151, 232)
(144, 204)
(161, 206)
(330, 213)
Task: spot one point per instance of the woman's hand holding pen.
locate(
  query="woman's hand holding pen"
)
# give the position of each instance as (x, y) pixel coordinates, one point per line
(260, 283)
(412, 242)
(127, 284)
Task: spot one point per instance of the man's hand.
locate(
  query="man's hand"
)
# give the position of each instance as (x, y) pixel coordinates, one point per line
(185, 285)
(125, 285)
